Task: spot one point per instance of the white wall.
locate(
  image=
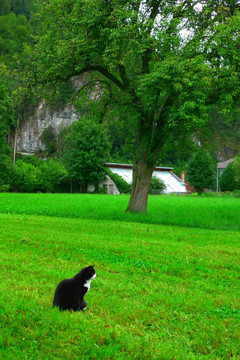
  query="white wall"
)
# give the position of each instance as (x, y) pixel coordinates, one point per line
(172, 184)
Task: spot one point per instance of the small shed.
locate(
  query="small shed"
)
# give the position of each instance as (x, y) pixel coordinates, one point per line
(108, 184)
(172, 182)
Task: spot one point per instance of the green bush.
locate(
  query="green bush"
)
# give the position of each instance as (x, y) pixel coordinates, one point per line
(227, 180)
(4, 188)
(26, 177)
(55, 177)
(157, 186)
(236, 168)
(122, 185)
(6, 169)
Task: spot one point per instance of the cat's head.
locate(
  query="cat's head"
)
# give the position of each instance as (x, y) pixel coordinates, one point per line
(89, 272)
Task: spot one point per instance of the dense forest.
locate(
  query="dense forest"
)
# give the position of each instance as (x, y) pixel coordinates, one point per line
(21, 89)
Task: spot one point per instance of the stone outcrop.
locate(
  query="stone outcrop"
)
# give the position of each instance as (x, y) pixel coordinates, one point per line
(30, 130)
(28, 135)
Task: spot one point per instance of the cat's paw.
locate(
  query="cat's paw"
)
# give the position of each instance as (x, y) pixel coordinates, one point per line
(83, 305)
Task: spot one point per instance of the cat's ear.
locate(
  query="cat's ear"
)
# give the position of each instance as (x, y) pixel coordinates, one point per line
(92, 266)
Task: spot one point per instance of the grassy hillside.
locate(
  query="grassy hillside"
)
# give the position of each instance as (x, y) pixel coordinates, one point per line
(161, 292)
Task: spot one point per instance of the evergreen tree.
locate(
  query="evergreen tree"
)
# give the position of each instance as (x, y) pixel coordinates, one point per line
(201, 171)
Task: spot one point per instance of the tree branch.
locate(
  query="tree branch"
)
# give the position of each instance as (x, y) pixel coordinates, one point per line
(94, 82)
(102, 71)
(146, 57)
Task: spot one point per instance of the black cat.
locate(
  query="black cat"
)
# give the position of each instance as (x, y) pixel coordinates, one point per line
(70, 292)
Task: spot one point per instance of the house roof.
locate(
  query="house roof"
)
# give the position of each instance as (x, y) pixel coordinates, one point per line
(130, 166)
(223, 165)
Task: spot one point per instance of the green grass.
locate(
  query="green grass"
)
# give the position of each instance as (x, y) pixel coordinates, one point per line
(161, 292)
(212, 213)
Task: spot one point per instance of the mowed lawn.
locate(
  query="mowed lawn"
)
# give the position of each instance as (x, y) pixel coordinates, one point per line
(161, 292)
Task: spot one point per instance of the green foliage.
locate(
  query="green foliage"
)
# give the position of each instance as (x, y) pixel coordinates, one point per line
(122, 185)
(26, 177)
(14, 30)
(60, 94)
(224, 44)
(23, 7)
(6, 119)
(236, 168)
(49, 140)
(4, 188)
(6, 109)
(122, 138)
(5, 7)
(87, 150)
(6, 169)
(227, 180)
(201, 171)
(176, 151)
(222, 134)
(54, 177)
(157, 186)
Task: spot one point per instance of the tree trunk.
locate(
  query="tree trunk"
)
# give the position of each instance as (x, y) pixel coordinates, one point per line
(83, 187)
(146, 155)
(15, 146)
(142, 175)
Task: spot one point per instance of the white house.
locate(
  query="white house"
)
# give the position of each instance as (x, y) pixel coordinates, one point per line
(172, 182)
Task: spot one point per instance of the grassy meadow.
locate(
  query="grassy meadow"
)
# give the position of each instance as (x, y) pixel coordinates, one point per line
(167, 286)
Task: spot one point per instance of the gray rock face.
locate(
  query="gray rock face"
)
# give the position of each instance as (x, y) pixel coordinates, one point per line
(28, 136)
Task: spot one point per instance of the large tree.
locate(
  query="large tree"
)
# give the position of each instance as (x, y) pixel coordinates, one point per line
(157, 59)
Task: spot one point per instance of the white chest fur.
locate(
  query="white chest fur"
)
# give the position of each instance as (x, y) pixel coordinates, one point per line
(87, 284)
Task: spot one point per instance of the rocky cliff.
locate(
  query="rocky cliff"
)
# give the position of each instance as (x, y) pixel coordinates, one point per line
(30, 130)
(28, 135)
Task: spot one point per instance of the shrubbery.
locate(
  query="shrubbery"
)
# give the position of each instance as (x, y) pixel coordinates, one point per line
(122, 185)
(236, 169)
(55, 177)
(30, 174)
(157, 186)
(227, 180)
(26, 177)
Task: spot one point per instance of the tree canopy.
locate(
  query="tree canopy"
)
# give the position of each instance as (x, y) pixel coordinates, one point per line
(164, 63)
(86, 151)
